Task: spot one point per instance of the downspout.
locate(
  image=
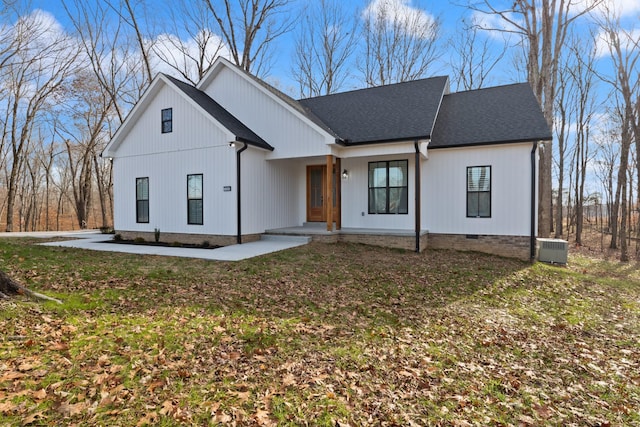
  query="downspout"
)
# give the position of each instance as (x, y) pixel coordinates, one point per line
(532, 242)
(239, 193)
(417, 196)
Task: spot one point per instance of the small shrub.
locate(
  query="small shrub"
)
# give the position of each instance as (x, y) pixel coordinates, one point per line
(176, 244)
(156, 234)
(139, 240)
(117, 237)
(206, 244)
(107, 230)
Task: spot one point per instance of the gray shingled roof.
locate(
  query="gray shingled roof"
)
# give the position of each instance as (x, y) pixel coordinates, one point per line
(403, 111)
(493, 115)
(235, 126)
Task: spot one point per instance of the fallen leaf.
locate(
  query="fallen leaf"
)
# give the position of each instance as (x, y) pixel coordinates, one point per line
(148, 419)
(32, 418)
(40, 394)
(70, 410)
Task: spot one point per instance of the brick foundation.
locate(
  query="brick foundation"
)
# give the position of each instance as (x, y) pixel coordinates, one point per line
(507, 246)
(193, 239)
(407, 242)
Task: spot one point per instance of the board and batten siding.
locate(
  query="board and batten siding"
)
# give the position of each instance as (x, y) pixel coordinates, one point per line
(445, 192)
(196, 146)
(355, 196)
(270, 192)
(267, 117)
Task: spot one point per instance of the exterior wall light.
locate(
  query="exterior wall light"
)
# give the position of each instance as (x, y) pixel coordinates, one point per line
(345, 174)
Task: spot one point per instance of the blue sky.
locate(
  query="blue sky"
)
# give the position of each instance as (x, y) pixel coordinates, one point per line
(450, 12)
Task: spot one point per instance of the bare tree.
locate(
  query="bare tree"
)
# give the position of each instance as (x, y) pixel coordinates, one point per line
(475, 57)
(34, 76)
(624, 51)
(249, 28)
(129, 15)
(192, 57)
(562, 130)
(401, 43)
(543, 26)
(584, 103)
(325, 42)
(84, 139)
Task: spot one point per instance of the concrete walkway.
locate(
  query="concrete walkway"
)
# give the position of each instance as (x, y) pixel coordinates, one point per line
(95, 241)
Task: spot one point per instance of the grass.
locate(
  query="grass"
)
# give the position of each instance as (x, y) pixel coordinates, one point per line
(318, 335)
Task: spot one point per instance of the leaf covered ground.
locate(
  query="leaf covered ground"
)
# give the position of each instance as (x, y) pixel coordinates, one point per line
(319, 335)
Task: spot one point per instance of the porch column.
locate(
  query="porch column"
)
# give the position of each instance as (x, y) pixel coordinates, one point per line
(338, 175)
(329, 193)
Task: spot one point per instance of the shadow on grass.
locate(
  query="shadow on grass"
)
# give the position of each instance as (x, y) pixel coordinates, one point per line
(345, 284)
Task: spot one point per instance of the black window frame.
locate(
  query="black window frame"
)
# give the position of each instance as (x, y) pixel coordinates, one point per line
(402, 209)
(166, 122)
(477, 212)
(191, 201)
(142, 202)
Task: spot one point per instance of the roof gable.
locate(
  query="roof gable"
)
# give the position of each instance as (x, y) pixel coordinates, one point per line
(199, 99)
(226, 119)
(291, 104)
(494, 115)
(401, 111)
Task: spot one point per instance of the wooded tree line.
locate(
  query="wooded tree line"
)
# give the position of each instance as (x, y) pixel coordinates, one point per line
(64, 91)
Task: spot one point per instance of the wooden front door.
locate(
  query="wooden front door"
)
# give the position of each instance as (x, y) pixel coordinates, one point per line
(317, 194)
(316, 176)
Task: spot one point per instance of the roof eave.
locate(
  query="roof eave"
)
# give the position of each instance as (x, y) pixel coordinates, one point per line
(478, 144)
(348, 143)
(264, 145)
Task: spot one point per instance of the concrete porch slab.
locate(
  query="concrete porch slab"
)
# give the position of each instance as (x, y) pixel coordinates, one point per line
(96, 241)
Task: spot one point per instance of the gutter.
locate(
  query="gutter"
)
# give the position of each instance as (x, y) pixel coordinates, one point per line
(238, 192)
(532, 241)
(418, 199)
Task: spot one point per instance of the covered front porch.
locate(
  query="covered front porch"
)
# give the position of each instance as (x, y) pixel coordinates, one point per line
(393, 238)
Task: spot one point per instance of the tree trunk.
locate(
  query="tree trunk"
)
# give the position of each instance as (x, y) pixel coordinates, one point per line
(9, 287)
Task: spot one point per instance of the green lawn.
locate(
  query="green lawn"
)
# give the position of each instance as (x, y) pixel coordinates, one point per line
(318, 335)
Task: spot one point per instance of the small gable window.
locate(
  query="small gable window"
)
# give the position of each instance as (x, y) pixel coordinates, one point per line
(167, 120)
(388, 187)
(142, 200)
(194, 199)
(479, 192)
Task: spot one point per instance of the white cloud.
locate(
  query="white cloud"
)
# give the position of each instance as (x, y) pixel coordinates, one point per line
(399, 11)
(629, 40)
(623, 8)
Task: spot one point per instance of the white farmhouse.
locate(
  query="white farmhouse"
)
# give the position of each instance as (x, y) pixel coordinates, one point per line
(407, 165)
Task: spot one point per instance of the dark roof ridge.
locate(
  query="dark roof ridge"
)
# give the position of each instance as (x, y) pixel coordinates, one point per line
(375, 87)
(489, 88)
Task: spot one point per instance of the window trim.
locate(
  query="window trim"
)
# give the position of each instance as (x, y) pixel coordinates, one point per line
(168, 121)
(387, 188)
(201, 198)
(489, 192)
(138, 220)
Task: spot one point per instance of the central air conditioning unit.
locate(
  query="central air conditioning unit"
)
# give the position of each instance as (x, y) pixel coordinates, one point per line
(553, 251)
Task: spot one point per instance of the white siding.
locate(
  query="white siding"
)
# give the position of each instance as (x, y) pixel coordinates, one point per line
(355, 197)
(195, 146)
(276, 124)
(270, 192)
(444, 195)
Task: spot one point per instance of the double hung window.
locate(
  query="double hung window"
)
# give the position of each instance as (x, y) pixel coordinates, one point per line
(142, 200)
(194, 199)
(388, 187)
(479, 192)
